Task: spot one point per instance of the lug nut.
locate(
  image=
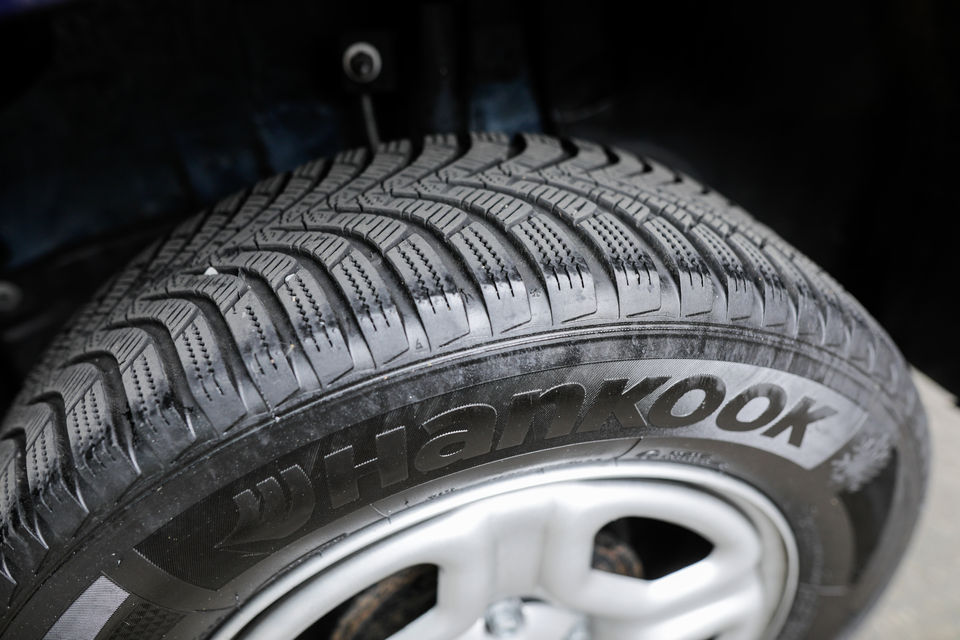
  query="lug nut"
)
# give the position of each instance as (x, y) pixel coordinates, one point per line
(580, 631)
(504, 618)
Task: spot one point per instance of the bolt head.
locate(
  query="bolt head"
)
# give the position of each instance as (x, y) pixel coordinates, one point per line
(10, 297)
(504, 618)
(362, 62)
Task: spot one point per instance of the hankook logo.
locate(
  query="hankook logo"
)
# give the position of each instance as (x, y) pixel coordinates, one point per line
(775, 416)
(787, 415)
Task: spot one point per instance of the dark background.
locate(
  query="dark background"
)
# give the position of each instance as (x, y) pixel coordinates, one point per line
(835, 124)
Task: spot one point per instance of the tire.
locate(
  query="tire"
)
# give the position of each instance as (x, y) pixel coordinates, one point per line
(418, 321)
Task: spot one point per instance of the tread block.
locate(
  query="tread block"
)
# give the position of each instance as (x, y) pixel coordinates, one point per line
(56, 501)
(861, 345)
(565, 273)
(207, 375)
(272, 267)
(438, 151)
(636, 276)
(154, 405)
(486, 150)
(261, 349)
(626, 165)
(429, 283)
(719, 225)
(503, 289)
(624, 206)
(47, 464)
(326, 248)
(776, 299)
(382, 231)
(835, 330)
(730, 269)
(21, 547)
(99, 456)
(172, 248)
(440, 217)
(682, 210)
(693, 277)
(305, 304)
(658, 174)
(306, 307)
(373, 306)
(538, 151)
(501, 286)
(206, 236)
(203, 365)
(221, 289)
(569, 206)
(298, 185)
(343, 168)
(809, 316)
(589, 157)
(505, 209)
(11, 458)
(316, 325)
(390, 158)
(434, 291)
(262, 195)
(253, 332)
(156, 413)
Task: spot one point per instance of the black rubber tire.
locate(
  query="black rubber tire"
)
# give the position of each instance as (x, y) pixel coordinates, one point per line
(538, 293)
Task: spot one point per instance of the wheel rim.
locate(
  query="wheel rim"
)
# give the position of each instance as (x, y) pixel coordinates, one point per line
(522, 547)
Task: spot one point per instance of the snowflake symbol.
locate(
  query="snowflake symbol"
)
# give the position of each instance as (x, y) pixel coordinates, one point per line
(863, 462)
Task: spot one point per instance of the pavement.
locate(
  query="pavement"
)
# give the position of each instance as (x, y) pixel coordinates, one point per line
(923, 601)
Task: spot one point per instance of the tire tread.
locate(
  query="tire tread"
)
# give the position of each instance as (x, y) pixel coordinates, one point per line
(342, 268)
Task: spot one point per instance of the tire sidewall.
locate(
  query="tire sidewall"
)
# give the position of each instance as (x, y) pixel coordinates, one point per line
(836, 574)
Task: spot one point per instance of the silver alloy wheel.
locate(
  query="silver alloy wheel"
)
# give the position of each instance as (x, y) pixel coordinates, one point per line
(532, 536)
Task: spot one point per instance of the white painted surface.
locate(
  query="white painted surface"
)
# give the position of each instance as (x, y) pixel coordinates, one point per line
(923, 601)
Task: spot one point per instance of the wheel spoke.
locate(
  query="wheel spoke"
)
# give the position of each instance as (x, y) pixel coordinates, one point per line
(736, 613)
(530, 553)
(569, 578)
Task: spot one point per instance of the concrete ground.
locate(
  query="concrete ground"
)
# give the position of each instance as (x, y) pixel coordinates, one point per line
(923, 601)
